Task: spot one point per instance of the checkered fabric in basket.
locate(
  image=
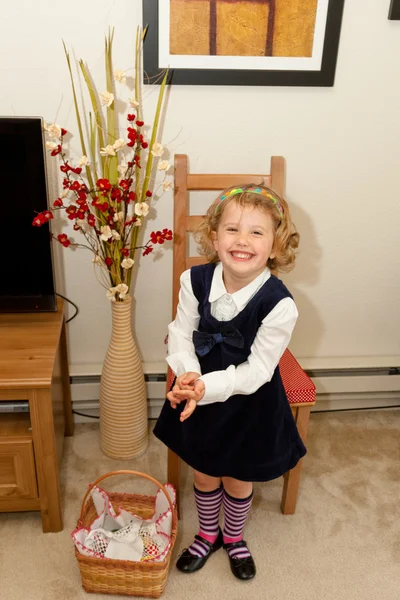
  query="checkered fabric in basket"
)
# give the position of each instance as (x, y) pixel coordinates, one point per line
(298, 386)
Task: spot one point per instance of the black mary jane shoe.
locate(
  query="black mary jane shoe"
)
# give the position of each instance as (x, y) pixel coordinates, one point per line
(188, 563)
(242, 568)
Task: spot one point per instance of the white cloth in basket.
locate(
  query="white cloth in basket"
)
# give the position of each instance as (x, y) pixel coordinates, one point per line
(125, 536)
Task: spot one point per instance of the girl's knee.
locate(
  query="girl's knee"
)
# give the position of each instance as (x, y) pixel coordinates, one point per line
(206, 483)
(237, 488)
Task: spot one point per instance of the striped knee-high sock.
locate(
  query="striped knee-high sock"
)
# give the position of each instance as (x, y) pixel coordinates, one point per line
(235, 511)
(208, 507)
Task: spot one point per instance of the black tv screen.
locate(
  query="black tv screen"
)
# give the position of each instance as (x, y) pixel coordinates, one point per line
(26, 281)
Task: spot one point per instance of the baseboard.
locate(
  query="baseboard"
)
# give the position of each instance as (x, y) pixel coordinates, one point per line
(349, 389)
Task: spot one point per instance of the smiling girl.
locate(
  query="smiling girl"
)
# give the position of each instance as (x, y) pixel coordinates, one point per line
(227, 414)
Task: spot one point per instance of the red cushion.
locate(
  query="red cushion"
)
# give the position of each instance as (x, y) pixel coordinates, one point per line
(298, 386)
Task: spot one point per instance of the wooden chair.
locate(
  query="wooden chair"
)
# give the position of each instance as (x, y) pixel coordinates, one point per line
(299, 388)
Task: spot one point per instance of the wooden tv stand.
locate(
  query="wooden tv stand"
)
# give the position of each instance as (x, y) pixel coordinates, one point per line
(34, 367)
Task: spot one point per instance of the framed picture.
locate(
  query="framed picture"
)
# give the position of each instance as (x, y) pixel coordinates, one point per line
(394, 10)
(243, 42)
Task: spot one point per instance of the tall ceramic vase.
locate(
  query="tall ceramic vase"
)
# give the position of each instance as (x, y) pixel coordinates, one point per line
(123, 402)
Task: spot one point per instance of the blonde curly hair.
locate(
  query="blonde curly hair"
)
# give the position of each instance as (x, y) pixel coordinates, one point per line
(286, 238)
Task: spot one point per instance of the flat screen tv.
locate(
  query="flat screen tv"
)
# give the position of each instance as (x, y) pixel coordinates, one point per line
(26, 272)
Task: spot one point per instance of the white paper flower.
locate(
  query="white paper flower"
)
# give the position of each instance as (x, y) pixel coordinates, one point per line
(115, 235)
(137, 223)
(119, 76)
(53, 130)
(119, 216)
(141, 209)
(133, 102)
(83, 161)
(167, 185)
(105, 232)
(157, 149)
(96, 259)
(127, 263)
(122, 289)
(164, 165)
(122, 168)
(82, 224)
(107, 151)
(111, 293)
(119, 144)
(106, 98)
(51, 146)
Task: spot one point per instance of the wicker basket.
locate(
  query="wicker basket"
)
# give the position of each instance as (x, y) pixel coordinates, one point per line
(128, 578)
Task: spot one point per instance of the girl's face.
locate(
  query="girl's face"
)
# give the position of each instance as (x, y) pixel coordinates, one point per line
(244, 241)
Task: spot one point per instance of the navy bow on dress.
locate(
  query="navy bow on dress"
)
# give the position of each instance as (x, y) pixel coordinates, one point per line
(204, 342)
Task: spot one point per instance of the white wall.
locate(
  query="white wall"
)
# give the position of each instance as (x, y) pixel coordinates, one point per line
(342, 146)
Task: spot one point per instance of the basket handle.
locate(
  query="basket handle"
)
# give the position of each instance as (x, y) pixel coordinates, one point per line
(126, 472)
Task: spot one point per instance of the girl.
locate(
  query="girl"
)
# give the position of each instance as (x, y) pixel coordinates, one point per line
(233, 323)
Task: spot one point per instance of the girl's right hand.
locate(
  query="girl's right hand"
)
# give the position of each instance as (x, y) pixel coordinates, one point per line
(184, 389)
(173, 398)
(192, 397)
(183, 382)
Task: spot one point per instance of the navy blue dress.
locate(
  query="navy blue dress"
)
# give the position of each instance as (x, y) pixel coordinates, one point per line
(248, 437)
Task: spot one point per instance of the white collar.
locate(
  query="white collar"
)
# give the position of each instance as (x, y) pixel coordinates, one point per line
(242, 296)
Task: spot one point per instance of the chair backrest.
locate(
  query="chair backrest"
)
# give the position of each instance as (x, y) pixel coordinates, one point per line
(185, 223)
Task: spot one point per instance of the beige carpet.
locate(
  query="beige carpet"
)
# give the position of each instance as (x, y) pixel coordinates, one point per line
(343, 542)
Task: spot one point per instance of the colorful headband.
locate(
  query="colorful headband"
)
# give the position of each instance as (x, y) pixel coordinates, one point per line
(253, 190)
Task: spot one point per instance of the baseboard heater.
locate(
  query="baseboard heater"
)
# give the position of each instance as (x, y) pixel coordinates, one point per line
(337, 389)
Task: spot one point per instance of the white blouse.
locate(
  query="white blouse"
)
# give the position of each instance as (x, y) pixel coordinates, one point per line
(269, 344)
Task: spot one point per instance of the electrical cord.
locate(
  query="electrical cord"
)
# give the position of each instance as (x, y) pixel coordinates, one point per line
(75, 412)
(330, 410)
(317, 412)
(73, 304)
(83, 415)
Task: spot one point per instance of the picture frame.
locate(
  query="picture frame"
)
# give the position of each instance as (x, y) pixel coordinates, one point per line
(394, 10)
(241, 70)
